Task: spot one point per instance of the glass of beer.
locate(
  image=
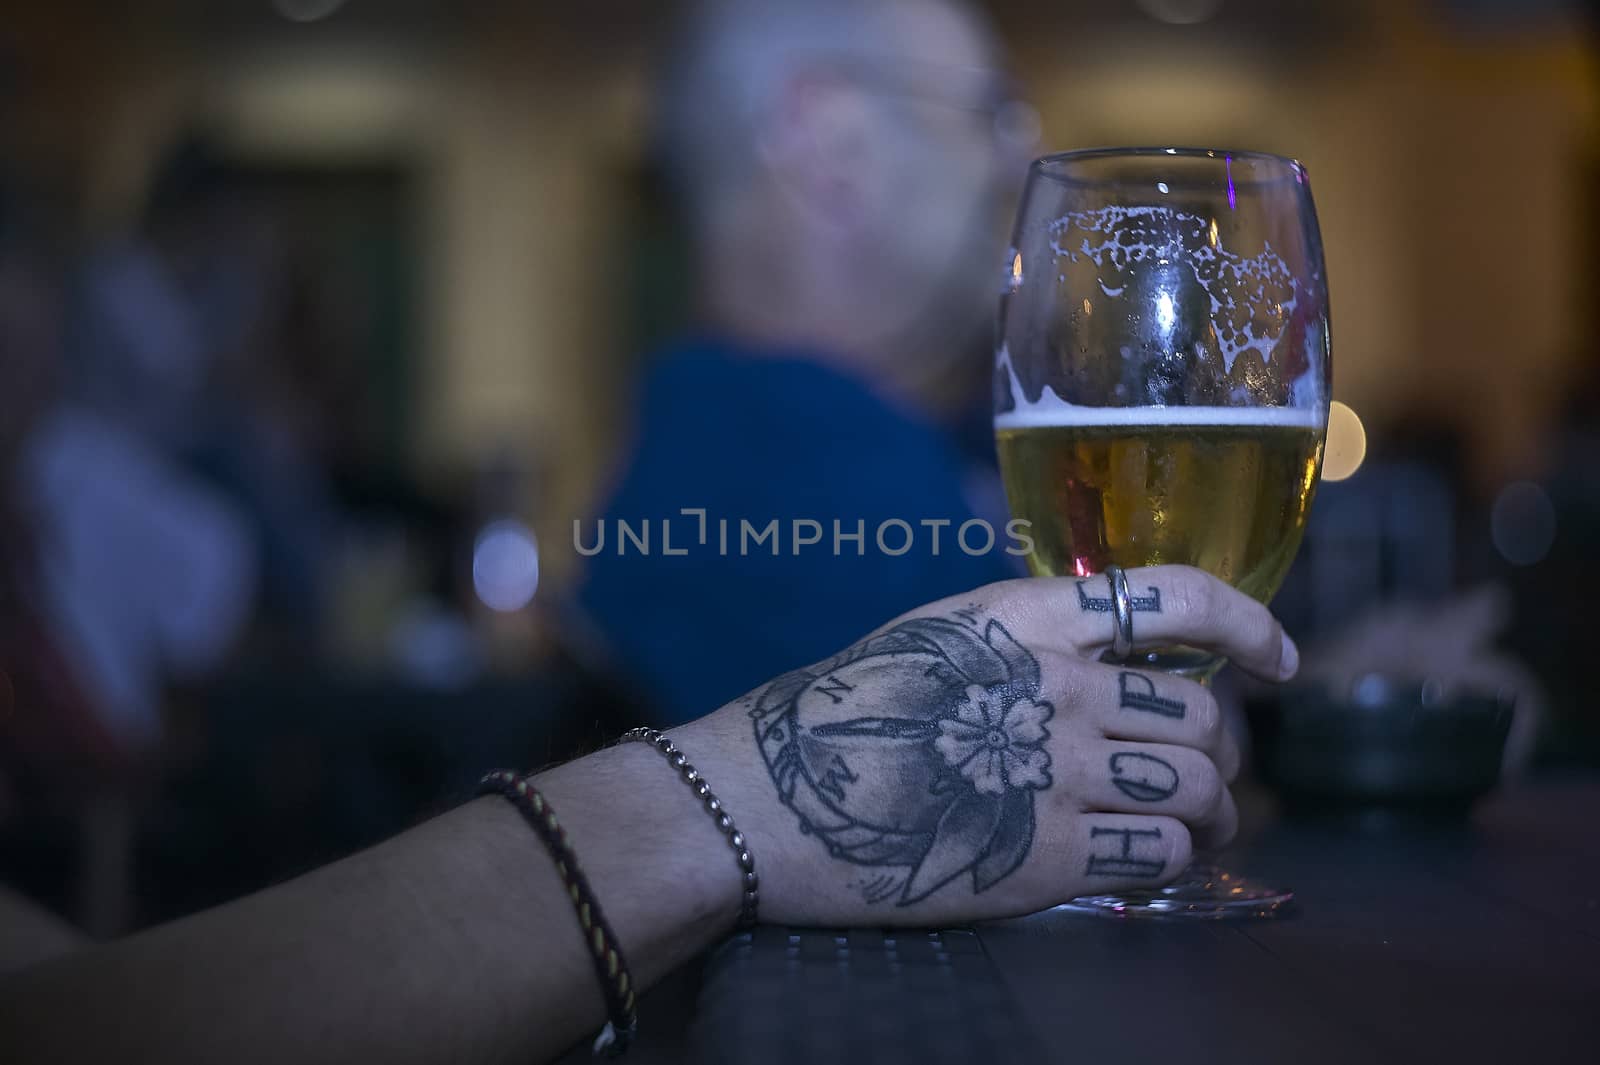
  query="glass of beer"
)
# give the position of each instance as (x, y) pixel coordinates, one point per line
(1162, 378)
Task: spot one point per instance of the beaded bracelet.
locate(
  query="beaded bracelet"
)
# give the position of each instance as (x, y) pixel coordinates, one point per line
(691, 776)
(615, 980)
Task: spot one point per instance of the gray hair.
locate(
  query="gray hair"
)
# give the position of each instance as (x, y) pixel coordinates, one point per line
(730, 60)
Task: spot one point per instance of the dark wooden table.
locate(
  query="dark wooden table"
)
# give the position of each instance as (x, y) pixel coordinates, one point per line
(1473, 941)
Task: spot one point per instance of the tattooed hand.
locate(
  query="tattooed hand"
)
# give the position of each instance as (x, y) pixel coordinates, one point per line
(974, 758)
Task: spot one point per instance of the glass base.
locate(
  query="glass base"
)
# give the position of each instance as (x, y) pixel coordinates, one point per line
(1203, 891)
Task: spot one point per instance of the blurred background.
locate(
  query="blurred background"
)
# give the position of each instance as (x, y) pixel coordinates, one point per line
(317, 316)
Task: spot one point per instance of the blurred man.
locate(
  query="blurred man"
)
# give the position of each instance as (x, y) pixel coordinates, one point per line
(131, 571)
(841, 167)
(118, 574)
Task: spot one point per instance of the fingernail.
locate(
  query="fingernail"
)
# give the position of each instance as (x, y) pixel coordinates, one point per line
(1289, 661)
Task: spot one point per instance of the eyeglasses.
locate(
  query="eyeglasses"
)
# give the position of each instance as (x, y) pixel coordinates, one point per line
(978, 90)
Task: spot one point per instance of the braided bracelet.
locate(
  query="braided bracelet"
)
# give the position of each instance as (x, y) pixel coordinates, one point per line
(691, 776)
(615, 981)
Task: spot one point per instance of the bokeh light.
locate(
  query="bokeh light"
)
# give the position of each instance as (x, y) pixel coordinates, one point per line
(307, 10)
(505, 565)
(1181, 12)
(1522, 523)
(1347, 443)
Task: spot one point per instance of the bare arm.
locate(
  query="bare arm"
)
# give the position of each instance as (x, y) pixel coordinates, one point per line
(969, 760)
(453, 942)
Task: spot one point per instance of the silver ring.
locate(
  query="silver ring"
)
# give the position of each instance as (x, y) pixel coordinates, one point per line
(1121, 612)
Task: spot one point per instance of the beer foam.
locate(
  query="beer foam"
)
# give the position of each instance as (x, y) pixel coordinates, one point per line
(1051, 411)
(1241, 288)
(1070, 416)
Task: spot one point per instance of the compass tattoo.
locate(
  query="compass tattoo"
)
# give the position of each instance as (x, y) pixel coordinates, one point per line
(917, 752)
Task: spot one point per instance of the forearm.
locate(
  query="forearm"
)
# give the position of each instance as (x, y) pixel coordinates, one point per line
(455, 941)
(970, 760)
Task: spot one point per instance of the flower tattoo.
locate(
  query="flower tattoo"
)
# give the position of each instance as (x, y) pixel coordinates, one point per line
(995, 743)
(917, 752)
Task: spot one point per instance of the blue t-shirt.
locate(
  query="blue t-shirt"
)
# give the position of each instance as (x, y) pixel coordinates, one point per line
(754, 439)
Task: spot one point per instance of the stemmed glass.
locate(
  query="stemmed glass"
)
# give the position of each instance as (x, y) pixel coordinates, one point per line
(1162, 378)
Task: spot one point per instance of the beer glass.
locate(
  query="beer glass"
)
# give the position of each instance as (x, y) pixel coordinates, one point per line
(1162, 377)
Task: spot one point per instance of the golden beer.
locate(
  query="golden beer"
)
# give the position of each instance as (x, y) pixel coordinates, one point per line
(1225, 490)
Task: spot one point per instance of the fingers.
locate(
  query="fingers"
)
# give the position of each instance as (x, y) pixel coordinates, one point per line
(1150, 778)
(1130, 704)
(1179, 605)
(1115, 852)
